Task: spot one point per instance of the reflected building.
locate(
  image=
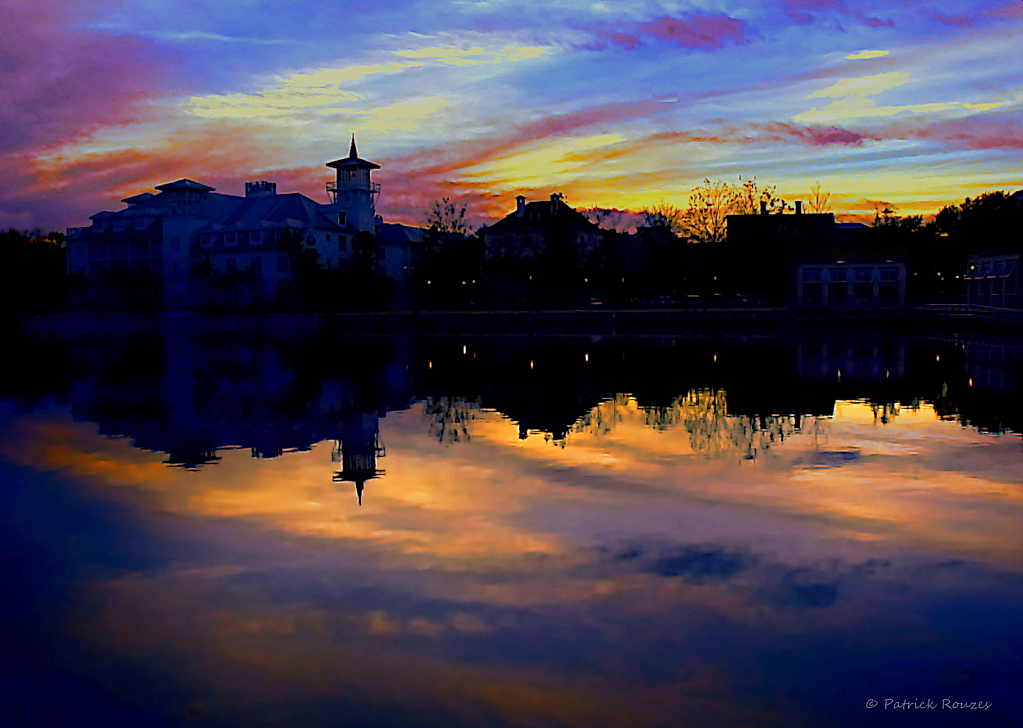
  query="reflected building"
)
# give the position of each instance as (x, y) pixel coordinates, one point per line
(192, 392)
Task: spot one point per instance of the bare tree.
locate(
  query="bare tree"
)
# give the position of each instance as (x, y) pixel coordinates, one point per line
(664, 215)
(748, 196)
(705, 218)
(447, 217)
(819, 201)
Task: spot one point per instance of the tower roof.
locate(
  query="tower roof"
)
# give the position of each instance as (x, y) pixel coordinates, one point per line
(352, 161)
(185, 184)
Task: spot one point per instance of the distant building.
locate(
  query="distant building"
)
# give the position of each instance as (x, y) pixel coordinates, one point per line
(398, 247)
(994, 280)
(993, 277)
(188, 230)
(821, 262)
(845, 283)
(534, 227)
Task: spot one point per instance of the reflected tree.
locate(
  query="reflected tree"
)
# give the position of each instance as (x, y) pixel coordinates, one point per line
(602, 419)
(449, 417)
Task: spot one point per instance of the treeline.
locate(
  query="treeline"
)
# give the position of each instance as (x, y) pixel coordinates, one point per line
(33, 277)
(939, 248)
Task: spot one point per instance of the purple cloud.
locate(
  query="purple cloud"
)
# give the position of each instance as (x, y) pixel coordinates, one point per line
(57, 84)
(694, 30)
(806, 11)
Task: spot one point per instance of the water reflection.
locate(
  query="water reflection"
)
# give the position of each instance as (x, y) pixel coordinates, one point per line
(727, 529)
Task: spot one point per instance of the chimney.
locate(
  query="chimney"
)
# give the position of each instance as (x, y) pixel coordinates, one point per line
(520, 206)
(555, 199)
(260, 189)
(799, 207)
(763, 207)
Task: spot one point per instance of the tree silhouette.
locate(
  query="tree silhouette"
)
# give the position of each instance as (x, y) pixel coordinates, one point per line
(446, 217)
(664, 215)
(818, 201)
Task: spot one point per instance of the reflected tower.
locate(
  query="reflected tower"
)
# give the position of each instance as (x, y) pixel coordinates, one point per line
(358, 450)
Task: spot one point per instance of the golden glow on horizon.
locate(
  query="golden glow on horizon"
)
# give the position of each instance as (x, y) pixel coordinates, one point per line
(550, 163)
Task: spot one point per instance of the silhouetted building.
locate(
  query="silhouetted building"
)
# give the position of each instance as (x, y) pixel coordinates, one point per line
(993, 280)
(262, 233)
(189, 227)
(398, 247)
(841, 283)
(816, 260)
(535, 227)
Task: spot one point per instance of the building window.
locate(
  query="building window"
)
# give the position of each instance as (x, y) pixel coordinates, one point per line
(341, 218)
(257, 265)
(255, 238)
(342, 243)
(231, 238)
(328, 237)
(282, 263)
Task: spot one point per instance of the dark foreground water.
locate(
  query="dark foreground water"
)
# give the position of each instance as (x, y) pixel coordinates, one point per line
(730, 528)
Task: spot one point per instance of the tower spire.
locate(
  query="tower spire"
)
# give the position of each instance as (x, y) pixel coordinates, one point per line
(352, 152)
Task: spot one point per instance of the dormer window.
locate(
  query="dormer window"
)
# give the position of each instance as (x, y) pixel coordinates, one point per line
(341, 219)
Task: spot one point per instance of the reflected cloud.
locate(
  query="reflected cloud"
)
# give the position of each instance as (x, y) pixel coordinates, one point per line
(563, 555)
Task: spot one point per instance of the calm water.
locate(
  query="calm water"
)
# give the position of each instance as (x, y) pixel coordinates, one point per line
(716, 528)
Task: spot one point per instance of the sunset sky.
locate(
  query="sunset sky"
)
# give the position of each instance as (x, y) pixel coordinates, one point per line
(615, 104)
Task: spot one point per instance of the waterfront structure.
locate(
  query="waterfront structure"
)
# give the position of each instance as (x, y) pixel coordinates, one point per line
(398, 247)
(821, 262)
(848, 283)
(535, 227)
(188, 232)
(993, 280)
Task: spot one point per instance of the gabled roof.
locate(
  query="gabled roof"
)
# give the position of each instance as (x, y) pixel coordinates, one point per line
(394, 234)
(542, 213)
(184, 184)
(274, 211)
(352, 161)
(138, 198)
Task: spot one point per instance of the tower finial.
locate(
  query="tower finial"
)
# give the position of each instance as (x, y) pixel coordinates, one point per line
(352, 153)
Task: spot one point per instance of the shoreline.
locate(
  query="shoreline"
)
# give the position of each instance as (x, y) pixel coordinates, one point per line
(547, 322)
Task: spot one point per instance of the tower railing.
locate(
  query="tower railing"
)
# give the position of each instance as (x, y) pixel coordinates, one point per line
(333, 187)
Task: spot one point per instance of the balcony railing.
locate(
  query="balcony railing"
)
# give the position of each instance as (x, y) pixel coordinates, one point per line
(334, 187)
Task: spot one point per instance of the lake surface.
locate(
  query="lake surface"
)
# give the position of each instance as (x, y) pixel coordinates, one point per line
(206, 525)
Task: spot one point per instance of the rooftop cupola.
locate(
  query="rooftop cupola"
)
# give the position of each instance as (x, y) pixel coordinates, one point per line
(262, 188)
(353, 191)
